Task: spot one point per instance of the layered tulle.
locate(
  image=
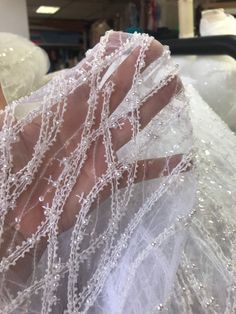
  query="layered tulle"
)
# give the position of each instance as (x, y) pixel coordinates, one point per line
(117, 191)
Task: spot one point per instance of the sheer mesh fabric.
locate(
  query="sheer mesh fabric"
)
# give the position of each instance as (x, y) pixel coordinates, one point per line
(100, 208)
(93, 181)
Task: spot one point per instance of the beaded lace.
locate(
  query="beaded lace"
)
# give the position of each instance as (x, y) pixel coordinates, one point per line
(99, 216)
(88, 239)
(206, 281)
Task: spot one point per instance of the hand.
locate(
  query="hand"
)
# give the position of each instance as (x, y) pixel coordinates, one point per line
(3, 101)
(95, 164)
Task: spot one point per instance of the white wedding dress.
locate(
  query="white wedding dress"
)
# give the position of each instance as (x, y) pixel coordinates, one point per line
(163, 245)
(206, 276)
(23, 66)
(214, 77)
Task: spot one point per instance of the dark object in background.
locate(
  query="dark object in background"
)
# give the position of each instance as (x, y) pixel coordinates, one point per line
(207, 45)
(198, 15)
(163, 33)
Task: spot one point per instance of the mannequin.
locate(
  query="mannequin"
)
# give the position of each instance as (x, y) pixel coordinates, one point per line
(217, 22)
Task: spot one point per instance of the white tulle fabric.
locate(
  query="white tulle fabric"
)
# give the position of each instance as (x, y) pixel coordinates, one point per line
(121, 257)
(214, 77)
(206, 276)
(165, 245)
(22, 66)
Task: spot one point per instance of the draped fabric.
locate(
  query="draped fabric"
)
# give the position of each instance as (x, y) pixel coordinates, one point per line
(93, 181)
(117, 191)
(23, 66)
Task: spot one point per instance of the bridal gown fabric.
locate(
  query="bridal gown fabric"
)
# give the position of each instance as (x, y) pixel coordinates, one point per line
(214, 77)
(23, 66)
(134, 235)
(206, 276)
(164, 245)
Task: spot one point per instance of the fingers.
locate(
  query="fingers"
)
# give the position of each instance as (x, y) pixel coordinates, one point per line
(3, 101)
(149, 169)
(122, 79)
(121, 72)
(123, 76)
(148, 110)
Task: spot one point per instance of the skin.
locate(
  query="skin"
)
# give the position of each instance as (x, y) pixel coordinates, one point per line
(93, 168)
(2, 99)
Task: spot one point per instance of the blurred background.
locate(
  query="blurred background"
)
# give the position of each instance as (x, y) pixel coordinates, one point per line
(67, 28)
